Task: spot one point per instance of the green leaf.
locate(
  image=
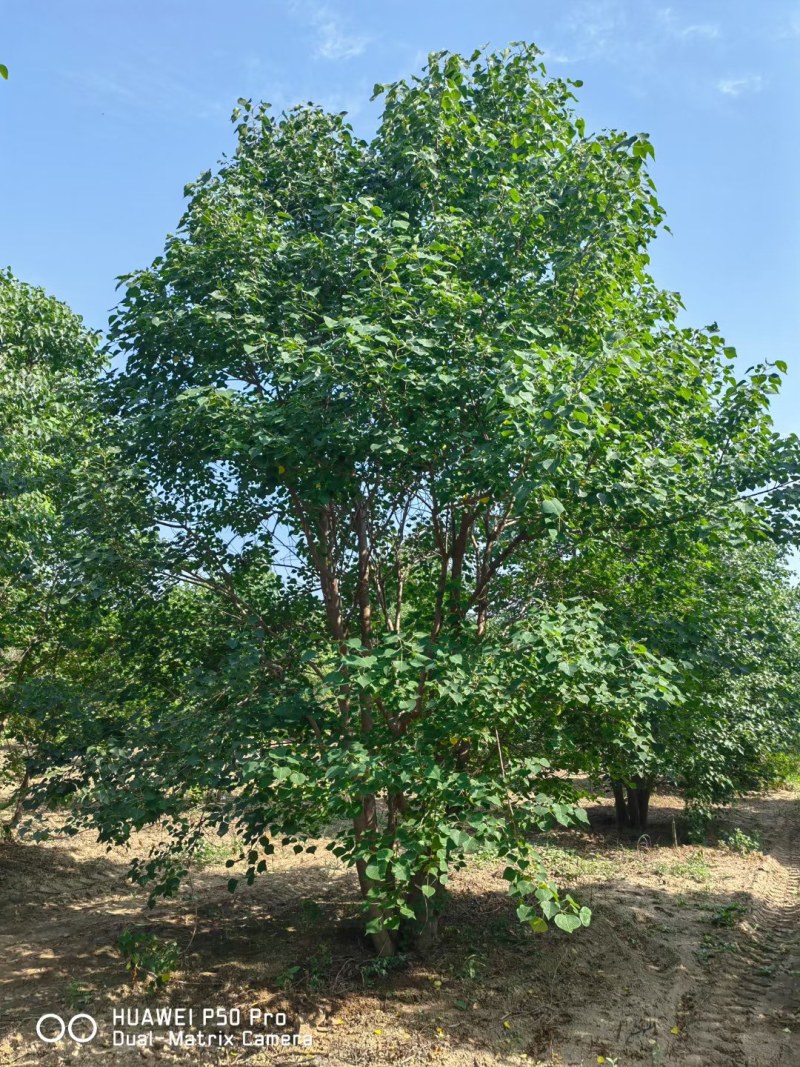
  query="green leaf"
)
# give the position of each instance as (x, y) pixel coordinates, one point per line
(551, 506)
(550, 909)
(568, 923)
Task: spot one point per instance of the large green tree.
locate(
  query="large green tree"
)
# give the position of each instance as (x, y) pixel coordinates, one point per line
(389, 371)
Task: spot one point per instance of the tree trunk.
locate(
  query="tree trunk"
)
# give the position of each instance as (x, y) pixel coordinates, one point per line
(422, 932)
(620, 805)
(22, 793)
(367, 821)
(632, 803)
(644, 805)
(633, 807)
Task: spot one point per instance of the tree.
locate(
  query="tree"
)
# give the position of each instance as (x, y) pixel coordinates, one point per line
(388, 371)
(725, 618)
(66, 542)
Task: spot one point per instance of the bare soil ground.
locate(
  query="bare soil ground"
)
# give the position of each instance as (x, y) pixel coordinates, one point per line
(692, 957)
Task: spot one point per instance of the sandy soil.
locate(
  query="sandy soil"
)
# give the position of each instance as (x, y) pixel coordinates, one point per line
(692, 957)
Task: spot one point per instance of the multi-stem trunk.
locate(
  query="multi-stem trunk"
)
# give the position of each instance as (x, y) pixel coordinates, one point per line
(632, 802)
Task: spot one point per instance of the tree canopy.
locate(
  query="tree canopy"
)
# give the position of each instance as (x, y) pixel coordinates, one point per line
(456, 501)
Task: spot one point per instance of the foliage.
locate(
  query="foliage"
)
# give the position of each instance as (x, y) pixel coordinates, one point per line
(728, 915)
(725, 615)
(67, 542)
(694, 868)
(149, 957)
(47, 365)
(698, 819)
(77, 995)
(738, 841)
(781, 769)
(380, 968)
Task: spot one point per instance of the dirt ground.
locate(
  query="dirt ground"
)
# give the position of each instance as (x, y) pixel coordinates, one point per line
(692, 957)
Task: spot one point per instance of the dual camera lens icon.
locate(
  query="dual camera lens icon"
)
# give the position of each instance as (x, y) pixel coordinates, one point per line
(51, 1028)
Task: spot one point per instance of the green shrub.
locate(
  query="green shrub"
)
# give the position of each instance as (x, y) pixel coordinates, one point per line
(148, 956)
(738, 841)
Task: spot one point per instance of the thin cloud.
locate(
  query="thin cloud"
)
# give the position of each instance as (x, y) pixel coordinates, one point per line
(553, 55)
(333, 40)
(596, 27)
(738, 86)
(708, 30)
(791, 26)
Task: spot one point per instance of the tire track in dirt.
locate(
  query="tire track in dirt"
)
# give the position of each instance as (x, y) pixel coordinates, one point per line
(748, 1014)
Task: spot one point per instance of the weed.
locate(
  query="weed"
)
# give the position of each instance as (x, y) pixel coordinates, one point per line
(483, 855)
(210, 853)
(712, 945)
(381, 967)
(318, 969)
(78, 996)
(312, 976)
(728, 915)
(473, 967)
(148, 956)
(567, 865)
(738, 841)
(289, 978)
(694, 868)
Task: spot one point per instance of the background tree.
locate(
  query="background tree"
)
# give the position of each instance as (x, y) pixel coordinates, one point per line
(66, 541)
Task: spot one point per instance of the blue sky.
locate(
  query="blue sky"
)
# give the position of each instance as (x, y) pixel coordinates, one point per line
(112, 106)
